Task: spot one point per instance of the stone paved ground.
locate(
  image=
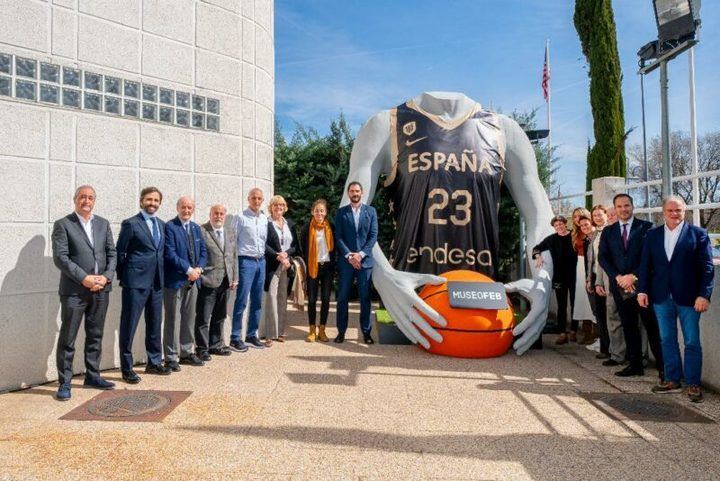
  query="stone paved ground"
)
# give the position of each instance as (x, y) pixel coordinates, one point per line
(322, 411)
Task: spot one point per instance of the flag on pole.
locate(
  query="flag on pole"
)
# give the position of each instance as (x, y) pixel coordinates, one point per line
(546, 74)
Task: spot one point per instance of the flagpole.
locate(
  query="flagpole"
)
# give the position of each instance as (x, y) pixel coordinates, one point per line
(549, 119)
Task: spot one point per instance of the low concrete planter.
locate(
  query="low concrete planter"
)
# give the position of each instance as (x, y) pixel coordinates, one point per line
(387, 331)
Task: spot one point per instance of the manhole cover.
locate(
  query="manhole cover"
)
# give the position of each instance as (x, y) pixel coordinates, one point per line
(645, 407)
(130, 404)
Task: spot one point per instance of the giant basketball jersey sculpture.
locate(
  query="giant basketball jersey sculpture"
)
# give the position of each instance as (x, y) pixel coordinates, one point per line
(445, 190)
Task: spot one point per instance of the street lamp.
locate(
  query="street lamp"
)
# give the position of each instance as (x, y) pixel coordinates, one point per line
(678, 22)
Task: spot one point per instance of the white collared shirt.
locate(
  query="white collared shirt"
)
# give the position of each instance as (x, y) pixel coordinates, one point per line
(356, 216)
(629, 224)
(322, 250)
(284, 235)
(671, 237)
(87, 227)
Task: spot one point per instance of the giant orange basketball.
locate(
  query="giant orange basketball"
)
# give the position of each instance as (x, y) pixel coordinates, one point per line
(475, 333)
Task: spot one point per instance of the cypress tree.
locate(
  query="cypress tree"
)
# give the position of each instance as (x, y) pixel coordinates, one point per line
(595, 25)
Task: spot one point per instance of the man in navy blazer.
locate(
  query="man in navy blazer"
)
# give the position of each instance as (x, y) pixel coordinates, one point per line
(356, 230)
(140, 249)
(676, 276)
(620, 248)
(185, 259)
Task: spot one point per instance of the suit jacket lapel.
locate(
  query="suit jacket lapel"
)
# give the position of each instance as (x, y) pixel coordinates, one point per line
(81, 231)
(144, 227)
(211, 230)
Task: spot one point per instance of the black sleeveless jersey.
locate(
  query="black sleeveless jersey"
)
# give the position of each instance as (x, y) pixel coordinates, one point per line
(444, 190)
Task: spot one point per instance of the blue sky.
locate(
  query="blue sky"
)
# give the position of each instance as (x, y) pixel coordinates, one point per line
(360, 57)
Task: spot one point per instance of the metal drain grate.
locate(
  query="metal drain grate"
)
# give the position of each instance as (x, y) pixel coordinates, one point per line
(645, 407)
(128, 405)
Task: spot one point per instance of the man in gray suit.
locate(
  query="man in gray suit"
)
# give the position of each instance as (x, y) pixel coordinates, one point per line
(84, 251)
(219, 277)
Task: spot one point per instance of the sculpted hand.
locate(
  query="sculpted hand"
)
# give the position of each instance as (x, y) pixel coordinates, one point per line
(537, 291)
(397, 290)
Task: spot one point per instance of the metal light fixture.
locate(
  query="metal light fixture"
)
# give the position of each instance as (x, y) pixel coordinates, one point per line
(677, 20)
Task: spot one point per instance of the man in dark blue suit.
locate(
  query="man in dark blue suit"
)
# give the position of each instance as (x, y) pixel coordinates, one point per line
(356, 230)
(185, 259)
(140, 249)
(676, 276)
(620, 248)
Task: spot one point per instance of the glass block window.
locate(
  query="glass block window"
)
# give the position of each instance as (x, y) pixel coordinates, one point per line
(149, 112)
(182, 99)
(49, 72)
(25, 90)
(112, 105)
(92, 102)
(167, 97)
(71, 76)
(166, 115)
(131, 108)
(132, 89)
(65, 86)
(5, 85)
(113, 86)
(182, 117)
(71, 98)
(5, 63)
(49, 94)
(213, 123)
(149, 93)
(25, 67)
(213, 106)
(198, 103)
(93, 81)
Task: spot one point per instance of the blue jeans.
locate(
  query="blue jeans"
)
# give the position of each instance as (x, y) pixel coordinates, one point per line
(667, 313)
(251, 281)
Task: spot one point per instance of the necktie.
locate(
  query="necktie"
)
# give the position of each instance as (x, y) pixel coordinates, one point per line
(155, 232)
(625, 236)
(191, 243)
(219, 234)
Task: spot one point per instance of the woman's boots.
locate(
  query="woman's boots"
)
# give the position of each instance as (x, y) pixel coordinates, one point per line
(321, 335)
(317, 335)
(312, 336)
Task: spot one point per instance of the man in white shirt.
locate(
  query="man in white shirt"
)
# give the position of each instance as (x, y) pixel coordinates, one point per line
(676, 277)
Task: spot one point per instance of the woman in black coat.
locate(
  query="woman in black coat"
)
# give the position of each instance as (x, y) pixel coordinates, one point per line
(318, 248)
(564, 260)
(280, 246)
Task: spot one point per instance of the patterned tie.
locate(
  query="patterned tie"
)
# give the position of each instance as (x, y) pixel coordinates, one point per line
(221, 241)
(625, 237)
(155, 232)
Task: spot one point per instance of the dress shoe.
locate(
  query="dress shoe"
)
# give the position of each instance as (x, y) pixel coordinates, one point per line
(340, 338)
(238, 346)
(254, 342)
(280, 339)
(602, 355)
(192, 360)
(695, 394)
(98, 383)
(130, 377)
(204, 356)
(631, 371)
(368, 339)
(220, 351)
(174, 366)
(63, 392)
(610, 363)
(158, 369)
(665, 387)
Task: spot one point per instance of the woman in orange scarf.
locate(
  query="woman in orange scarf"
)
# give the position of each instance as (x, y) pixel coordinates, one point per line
(318, 247)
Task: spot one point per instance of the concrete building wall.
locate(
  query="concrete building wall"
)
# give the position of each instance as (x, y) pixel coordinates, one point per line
(213, 49)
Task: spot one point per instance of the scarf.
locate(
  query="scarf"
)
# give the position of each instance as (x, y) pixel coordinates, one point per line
(312, 245)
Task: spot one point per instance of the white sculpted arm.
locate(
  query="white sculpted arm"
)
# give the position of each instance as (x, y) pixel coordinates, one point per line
(534, 206)
(369, 160)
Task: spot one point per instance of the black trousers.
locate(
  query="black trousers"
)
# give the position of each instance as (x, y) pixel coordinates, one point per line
(629, 312)
(322, 284)
(210, 315)
(561, 293)
(92, 306)
(597, 303)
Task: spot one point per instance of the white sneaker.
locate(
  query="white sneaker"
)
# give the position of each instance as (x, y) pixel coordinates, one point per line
(595, 346)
